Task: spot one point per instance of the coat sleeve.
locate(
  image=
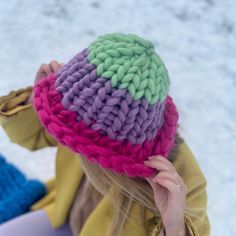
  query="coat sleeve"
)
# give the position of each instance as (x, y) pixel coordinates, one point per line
(196, 218)
(21, 123)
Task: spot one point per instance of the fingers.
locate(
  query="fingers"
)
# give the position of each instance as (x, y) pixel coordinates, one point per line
(170, 185)
(159, 163)
(54, 65)
(161, 159)
(45, 69)
(167, 175)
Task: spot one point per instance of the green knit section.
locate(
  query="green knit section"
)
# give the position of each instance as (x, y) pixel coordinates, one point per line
(131, 63)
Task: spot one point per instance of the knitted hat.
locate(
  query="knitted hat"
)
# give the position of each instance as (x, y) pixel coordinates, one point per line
(17, 194)
(110, 103)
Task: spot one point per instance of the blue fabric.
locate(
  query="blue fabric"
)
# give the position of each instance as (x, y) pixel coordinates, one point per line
(17, 193)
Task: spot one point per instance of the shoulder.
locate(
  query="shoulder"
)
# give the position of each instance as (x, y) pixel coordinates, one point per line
(187, 165)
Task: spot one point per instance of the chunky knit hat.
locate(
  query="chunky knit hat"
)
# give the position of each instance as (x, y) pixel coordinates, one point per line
(17, 193)
(110, 103)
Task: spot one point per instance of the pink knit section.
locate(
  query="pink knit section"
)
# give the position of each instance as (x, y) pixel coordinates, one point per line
(120, 156)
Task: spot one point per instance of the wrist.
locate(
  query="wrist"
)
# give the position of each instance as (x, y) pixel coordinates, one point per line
(29, 99)
(179, 230)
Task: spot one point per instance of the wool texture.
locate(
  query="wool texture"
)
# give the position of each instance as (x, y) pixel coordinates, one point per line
(110, 103)
(17, 193)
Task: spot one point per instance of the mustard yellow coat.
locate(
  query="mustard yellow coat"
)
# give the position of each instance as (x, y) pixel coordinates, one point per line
(23, 127)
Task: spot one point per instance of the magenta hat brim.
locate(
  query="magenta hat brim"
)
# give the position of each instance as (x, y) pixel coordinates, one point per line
(119, 156)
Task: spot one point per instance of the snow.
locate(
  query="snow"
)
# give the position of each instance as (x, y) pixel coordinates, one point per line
(196, 40)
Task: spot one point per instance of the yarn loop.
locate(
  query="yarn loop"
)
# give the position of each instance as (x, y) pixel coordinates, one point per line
(132, 63)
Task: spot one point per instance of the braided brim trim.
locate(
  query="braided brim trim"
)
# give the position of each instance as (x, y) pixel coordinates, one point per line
(119, 156)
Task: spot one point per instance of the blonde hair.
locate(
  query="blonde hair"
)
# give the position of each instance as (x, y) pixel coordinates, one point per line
(129, 190)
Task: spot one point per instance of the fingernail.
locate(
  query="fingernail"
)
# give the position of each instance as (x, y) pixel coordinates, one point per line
(157, 156)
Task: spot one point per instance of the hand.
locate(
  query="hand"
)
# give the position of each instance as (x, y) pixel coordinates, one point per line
(43, 71)
(169, 198)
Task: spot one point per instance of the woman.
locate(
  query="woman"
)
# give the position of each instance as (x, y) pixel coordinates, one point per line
(121, 167)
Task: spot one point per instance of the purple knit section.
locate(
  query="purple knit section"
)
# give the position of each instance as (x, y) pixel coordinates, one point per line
(110, 110)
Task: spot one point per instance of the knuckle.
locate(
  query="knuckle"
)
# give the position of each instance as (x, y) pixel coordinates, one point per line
(173, 168)
(159, 174)
(53, 61)
(175, 175)
(185, 188)
(43, 65)
(177, 190)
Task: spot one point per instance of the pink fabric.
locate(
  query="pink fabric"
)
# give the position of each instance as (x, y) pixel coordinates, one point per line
(119, 156)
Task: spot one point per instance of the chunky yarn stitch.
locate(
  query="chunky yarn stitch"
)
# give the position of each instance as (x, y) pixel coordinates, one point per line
(110, 104)
(131, 62)
(102, 107)
(17, 194)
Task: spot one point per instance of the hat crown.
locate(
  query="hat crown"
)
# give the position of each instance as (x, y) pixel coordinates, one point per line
(117, 86)
(132, 63)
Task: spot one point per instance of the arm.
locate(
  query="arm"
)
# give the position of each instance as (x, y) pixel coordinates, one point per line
(21, 123)
(19, 119)
(196, 222)
(186, 210)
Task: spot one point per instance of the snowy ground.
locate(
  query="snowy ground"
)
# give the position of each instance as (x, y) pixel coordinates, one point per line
(196, 39)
